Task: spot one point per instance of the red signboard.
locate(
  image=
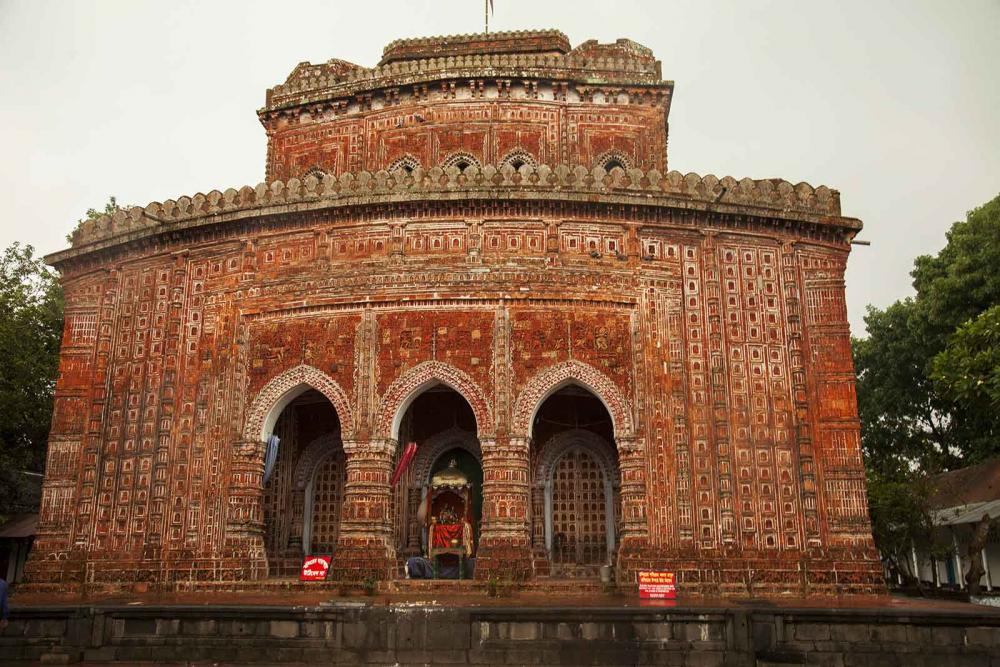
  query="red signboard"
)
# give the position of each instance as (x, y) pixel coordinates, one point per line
(655, 585)
(314, 568)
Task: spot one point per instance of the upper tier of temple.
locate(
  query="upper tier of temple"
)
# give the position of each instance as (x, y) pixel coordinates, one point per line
(509, 97)
(535, 53)
(475, 118)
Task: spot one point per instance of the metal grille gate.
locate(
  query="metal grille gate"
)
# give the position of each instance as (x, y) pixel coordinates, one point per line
(579, 514)
(328, 498)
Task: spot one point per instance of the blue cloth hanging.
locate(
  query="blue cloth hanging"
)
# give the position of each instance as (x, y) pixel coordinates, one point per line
(270, 456)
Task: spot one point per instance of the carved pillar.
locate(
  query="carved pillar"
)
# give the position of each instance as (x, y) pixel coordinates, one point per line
(245, 555)
(538, 516)
(505, 543)
(299, 519)
(475, 235)
(365, 543)
(634, 536)
(415, 496)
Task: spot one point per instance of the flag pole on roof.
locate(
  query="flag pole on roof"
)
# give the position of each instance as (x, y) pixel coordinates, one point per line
(488, 7)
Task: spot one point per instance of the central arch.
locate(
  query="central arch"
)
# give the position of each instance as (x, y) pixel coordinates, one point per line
(418, 379)
(441, 410)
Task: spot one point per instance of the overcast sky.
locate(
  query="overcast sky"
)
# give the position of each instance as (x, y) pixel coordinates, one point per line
(895, 103)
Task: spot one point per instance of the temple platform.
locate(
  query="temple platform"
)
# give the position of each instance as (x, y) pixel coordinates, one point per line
(395, 587)
(464, 626)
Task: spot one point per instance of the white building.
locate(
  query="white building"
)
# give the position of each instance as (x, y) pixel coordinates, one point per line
(960, 500)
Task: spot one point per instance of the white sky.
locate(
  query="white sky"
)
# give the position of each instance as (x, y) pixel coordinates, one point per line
(895, 103)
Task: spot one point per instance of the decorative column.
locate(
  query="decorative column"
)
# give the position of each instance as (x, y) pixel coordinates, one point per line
(505, 543)
(538, 516)
(245, 557)
(299, 519)
(415, 497)
(365, 543)
(634, 538)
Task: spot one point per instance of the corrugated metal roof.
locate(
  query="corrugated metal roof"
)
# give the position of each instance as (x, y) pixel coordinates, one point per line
(974, 484)
(970, 513)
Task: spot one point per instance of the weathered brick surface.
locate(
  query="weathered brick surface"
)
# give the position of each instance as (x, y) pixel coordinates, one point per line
(423, 238)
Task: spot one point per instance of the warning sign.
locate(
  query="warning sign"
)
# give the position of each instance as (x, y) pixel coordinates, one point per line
(654, 585)
(314, 568)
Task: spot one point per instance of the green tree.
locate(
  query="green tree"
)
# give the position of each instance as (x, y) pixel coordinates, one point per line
(900, 510)
(924, 371)
(929, 383)
(962, 280)
(967, 371)
(31, 319)
(903, 421)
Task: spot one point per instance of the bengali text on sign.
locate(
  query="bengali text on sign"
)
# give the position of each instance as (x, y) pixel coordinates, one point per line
(656, 585)
(314, 568)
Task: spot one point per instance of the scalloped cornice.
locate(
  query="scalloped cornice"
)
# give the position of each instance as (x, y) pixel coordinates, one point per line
(768, 198)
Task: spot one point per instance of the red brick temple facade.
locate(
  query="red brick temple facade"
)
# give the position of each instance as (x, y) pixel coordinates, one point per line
(475, 246)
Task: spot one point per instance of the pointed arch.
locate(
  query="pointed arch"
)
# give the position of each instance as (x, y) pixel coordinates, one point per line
(423, 376)
(283, 389)
(552, 379)
(519, 157)
(612, 159)
(312, 455)
(431, 451)
(461, 161)
(406, 164)
(558, 445)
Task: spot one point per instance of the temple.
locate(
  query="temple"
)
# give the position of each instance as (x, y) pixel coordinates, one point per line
(476, 247)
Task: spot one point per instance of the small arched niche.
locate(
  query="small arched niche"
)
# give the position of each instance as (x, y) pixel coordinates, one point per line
(460, 161)
(614, 160)
(519, 158)
(404, 165)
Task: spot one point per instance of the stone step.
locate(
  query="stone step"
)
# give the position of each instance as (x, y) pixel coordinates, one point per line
(431, 585)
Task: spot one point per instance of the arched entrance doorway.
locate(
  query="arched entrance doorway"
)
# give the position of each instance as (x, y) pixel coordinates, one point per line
(576, 508)
(442, 424)
(304, 485)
